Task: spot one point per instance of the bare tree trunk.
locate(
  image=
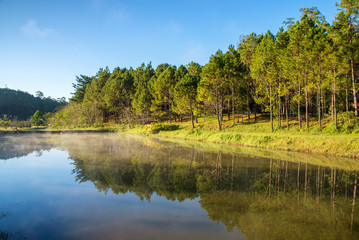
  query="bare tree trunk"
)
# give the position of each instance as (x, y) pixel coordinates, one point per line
(192, 116)
(248, 108)
(299, 117)
(279, 112)
(334, 103)
(219, 109)
(219, 118)
(232, 88)
(255, 112)
(169, 113)
(332, 107)
(270, 107)
(354, 90)
(254, 104)
(324, 105)
(228, 112)
(347, 95)
(352, 68)
(286, 110)
(306, 103)
(318, 105)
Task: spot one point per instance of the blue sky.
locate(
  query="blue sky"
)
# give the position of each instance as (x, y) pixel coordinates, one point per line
(45, 44)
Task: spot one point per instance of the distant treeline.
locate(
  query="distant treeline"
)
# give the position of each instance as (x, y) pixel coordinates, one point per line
(19, 105)
(308, 69)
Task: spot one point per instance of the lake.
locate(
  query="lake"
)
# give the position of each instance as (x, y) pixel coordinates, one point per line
(117, 186)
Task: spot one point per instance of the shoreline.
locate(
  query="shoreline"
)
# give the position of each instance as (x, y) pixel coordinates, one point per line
(334, 145)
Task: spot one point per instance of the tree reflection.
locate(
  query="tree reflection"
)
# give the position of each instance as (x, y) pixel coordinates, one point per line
(264, 198)
(14, 146)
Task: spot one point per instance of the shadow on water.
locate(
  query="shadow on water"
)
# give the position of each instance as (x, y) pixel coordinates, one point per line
(264, 194)
(7, 235)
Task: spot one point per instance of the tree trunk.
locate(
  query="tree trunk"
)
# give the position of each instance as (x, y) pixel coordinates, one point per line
(233, 103)
(347, 95)
(286, 110)
(299, 117)
(219, 112)
(255, 112)
(334, 103)
(190, 105)
(248, 108)
(306, 103)
(279, 112)
(169, 113)
(324, 106)
(319, 105)
(270, 107)
(219, 119)
(228, 112)
(352, 68)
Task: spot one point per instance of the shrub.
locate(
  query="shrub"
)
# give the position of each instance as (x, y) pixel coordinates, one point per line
(157, 127)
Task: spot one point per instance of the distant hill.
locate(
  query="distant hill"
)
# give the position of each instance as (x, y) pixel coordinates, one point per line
(22, 105)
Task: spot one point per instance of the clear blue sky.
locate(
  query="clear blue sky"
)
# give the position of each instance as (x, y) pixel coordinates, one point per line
(45, 44)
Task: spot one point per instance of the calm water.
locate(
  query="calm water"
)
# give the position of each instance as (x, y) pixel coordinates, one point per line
(111, 186)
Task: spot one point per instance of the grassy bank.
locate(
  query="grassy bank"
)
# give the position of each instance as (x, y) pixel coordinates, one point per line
(258, 134)
(342, 143)
(64, 130)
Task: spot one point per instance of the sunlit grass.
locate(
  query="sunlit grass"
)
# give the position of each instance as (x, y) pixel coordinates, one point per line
(258, 134)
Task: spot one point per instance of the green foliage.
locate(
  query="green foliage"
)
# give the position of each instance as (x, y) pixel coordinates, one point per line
(308, 68)
(185, 92)
(80, 87)
(162, 86)
(37, 119)
(157, 127)
(142, 98)
(19, 105)
(347, 119)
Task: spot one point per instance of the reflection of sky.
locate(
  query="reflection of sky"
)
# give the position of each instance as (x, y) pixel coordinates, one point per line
(45, 202)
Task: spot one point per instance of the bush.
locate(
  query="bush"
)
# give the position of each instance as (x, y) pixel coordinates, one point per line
(157, 127)
(347, 120)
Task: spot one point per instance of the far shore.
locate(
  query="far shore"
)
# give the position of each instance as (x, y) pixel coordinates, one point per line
(251, 135)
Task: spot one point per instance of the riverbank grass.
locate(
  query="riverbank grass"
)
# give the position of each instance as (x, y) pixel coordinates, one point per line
(258, 134)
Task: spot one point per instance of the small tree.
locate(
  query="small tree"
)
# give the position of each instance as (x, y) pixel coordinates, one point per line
(36, 119)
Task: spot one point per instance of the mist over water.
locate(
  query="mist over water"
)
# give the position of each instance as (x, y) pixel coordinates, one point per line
(114, 186)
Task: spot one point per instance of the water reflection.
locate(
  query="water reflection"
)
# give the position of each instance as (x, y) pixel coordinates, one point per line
(264, 197)
(15, 146)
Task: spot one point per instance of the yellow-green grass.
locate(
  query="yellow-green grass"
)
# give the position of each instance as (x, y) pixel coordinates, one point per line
(248, 133)
(258, 134)
(44, 129)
